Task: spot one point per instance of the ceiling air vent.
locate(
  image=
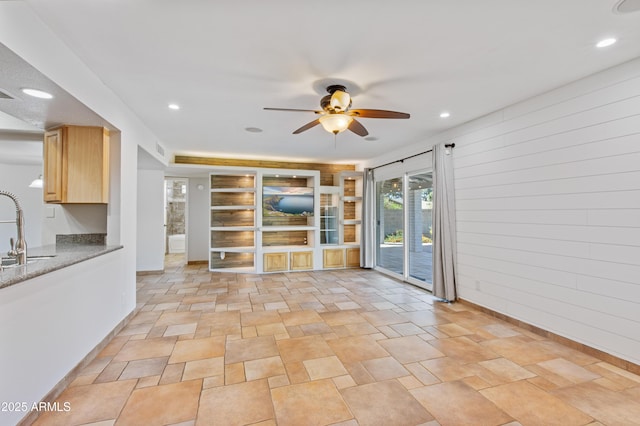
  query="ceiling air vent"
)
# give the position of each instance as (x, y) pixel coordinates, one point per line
(627, 6)
(159, 149)
(5, 95)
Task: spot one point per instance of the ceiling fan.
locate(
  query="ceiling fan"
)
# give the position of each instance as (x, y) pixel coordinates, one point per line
(337, 116)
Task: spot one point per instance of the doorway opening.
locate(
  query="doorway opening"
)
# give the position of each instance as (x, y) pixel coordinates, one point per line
(175, 222)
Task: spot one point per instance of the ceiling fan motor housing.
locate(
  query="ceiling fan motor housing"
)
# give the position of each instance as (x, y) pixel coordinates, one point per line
(325, 103)
(335, 87)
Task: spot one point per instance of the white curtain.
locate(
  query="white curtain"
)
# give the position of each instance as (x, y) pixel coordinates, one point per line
(444, 226)
(367, 237)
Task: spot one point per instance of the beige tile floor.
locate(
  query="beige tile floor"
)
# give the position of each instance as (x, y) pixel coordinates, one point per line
(346, 347)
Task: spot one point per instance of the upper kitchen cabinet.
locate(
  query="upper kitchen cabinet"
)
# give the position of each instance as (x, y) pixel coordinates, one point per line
(76, 165)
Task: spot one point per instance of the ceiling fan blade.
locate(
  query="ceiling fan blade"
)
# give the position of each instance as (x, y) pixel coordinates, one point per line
(292, 109)
(357, 128)
(307, 126)
(377, 113)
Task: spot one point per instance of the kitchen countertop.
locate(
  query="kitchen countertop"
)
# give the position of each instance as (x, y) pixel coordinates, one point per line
(61, 257)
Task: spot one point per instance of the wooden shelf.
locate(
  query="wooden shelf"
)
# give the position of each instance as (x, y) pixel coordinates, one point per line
(233, 190)
(232, 228)
(235, 179)
(246, 249)
(350, 183)
(233, 261)
(271, 249)
(232, 221)
(233, 207)
(286, 228)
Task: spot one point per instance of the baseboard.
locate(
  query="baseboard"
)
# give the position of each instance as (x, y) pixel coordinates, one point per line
(73, 374)
(596, 353)
(158, 272)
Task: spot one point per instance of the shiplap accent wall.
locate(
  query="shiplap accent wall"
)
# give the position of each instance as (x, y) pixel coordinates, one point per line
(548, 210)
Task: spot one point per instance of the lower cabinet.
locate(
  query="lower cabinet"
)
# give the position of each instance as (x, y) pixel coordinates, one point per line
(301, 260)
(288, 261)
(353, 257)
(275, 262)
(341, 258)
(333, 258)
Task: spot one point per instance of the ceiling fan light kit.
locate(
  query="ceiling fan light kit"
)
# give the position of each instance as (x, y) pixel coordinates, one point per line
(340, 99)
(336, 115)
(335, 123)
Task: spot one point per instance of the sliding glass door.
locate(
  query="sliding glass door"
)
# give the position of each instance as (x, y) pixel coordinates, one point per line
(419, 224)
(390, 225)
(404, 226)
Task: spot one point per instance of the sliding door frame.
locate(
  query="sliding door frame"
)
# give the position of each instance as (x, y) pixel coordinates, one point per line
(404, 173)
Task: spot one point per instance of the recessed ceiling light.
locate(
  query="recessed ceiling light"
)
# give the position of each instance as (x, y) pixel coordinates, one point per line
(174, 107)
(445, 114)
(606, 42)
(37, 93)
(253, 129)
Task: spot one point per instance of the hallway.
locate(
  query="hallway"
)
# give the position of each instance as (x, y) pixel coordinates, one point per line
(349, 347)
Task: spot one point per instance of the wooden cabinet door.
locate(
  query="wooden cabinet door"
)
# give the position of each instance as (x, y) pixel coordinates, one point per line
(87, 169)
(275, 262)
(353, 257)
(333, 258)
(76, 165)
(52, 188)
(301, 260)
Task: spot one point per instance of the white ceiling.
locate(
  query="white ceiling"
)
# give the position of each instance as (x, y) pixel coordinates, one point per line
(23, 118)
(223, 61)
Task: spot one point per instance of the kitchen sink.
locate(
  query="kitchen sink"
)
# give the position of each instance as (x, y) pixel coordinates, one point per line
(40, 257)
(10, 262)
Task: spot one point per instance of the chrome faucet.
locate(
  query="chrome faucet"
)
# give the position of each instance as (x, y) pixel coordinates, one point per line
(19, 249)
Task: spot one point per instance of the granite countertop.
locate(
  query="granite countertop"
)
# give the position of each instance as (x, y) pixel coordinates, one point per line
(52, 258)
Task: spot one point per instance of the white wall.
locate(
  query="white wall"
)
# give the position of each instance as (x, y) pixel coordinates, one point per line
(150, 229)
(93, 310)
(43, 221)
(114, 209)
(198, 220)
(16, 178)
(73, 219)
(548, 210)
(49, 323)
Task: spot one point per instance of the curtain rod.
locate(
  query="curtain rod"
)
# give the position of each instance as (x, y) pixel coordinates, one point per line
(449, 145)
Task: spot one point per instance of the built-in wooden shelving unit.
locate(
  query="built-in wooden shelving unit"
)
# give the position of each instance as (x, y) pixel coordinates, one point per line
(233, 221)
(275, 220)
